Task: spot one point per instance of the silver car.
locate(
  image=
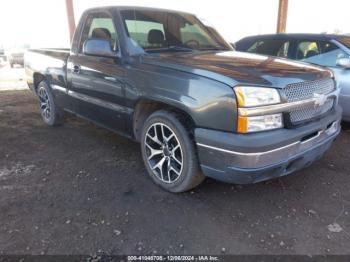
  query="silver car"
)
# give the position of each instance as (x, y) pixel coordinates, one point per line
(331, 51)
(15, 56)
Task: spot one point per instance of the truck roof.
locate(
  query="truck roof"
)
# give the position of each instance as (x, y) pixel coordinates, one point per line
(138, 8)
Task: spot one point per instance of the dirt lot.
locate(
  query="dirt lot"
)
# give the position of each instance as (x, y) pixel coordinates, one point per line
(12, 78)
(79, 189)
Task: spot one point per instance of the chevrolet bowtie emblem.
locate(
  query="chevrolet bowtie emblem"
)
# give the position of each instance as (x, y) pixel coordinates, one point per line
(319, 99)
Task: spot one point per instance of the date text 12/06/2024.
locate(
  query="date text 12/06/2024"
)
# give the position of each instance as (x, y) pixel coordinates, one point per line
(174, 258)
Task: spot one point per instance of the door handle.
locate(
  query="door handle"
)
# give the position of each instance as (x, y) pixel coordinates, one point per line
(110, 78)
(76, 69)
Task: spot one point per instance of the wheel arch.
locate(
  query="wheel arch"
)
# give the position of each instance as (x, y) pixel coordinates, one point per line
(146, 106)
(37, 78)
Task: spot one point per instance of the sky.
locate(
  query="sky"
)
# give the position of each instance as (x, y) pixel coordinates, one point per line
(43, 23)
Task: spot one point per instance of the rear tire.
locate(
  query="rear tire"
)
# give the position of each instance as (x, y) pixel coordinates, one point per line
(169, 153)
(51, 114)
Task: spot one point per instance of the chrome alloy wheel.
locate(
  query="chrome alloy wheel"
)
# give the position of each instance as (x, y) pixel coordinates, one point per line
(44, 103)
(164, 152)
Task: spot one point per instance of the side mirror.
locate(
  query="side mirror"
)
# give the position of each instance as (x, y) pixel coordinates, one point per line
(344, 62)
(98, 47)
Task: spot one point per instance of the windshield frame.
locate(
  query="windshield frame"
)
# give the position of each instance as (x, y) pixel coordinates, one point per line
(214, 36)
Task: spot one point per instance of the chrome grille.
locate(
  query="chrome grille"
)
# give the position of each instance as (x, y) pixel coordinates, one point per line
(307, 90)
(311, 112)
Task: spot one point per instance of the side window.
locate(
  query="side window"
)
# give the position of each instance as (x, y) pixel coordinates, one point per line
(147, 34)
(329, 54)
(283, 51)
(272, 47)
(253, 47)
(307, 49)
(325, 54)
(100, 25)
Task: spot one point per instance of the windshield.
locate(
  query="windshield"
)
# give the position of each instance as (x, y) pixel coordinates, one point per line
(156, 31)
(345, 41)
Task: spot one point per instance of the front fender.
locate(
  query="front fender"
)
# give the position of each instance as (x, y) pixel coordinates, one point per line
(211, 104)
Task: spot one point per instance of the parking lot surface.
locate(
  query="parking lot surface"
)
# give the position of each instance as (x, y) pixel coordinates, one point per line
(12, 78)
(80, 189)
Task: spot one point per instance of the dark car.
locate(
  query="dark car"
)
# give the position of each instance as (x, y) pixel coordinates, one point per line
(332, 51)
(197, 107)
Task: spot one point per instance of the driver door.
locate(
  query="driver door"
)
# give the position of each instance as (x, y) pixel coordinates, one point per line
(97, 83)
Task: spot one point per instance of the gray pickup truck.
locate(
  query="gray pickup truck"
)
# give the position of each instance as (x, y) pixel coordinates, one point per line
(197, 107)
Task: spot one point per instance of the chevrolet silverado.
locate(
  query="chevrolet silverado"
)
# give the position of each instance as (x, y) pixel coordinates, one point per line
(197, 107)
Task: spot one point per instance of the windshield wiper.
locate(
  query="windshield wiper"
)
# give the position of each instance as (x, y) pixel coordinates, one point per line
(186, 49)
(212, 48)
(180, 48)
(171, 48)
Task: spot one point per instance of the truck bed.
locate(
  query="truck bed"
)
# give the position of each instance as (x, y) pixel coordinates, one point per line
(50, 63)
(43, 50)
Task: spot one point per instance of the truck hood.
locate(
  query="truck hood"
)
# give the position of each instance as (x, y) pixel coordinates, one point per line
(234, 68)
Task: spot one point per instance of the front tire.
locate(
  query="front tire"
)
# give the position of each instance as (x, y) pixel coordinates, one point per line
(50, 112)
(169, 153)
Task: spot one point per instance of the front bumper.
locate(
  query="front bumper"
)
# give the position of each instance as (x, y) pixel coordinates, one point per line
(251, 158)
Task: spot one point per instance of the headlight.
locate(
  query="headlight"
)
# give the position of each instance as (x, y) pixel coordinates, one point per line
(256, 96)
(259, 123)
(250, 96)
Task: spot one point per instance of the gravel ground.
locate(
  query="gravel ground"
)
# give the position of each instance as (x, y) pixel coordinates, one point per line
(79, 189)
